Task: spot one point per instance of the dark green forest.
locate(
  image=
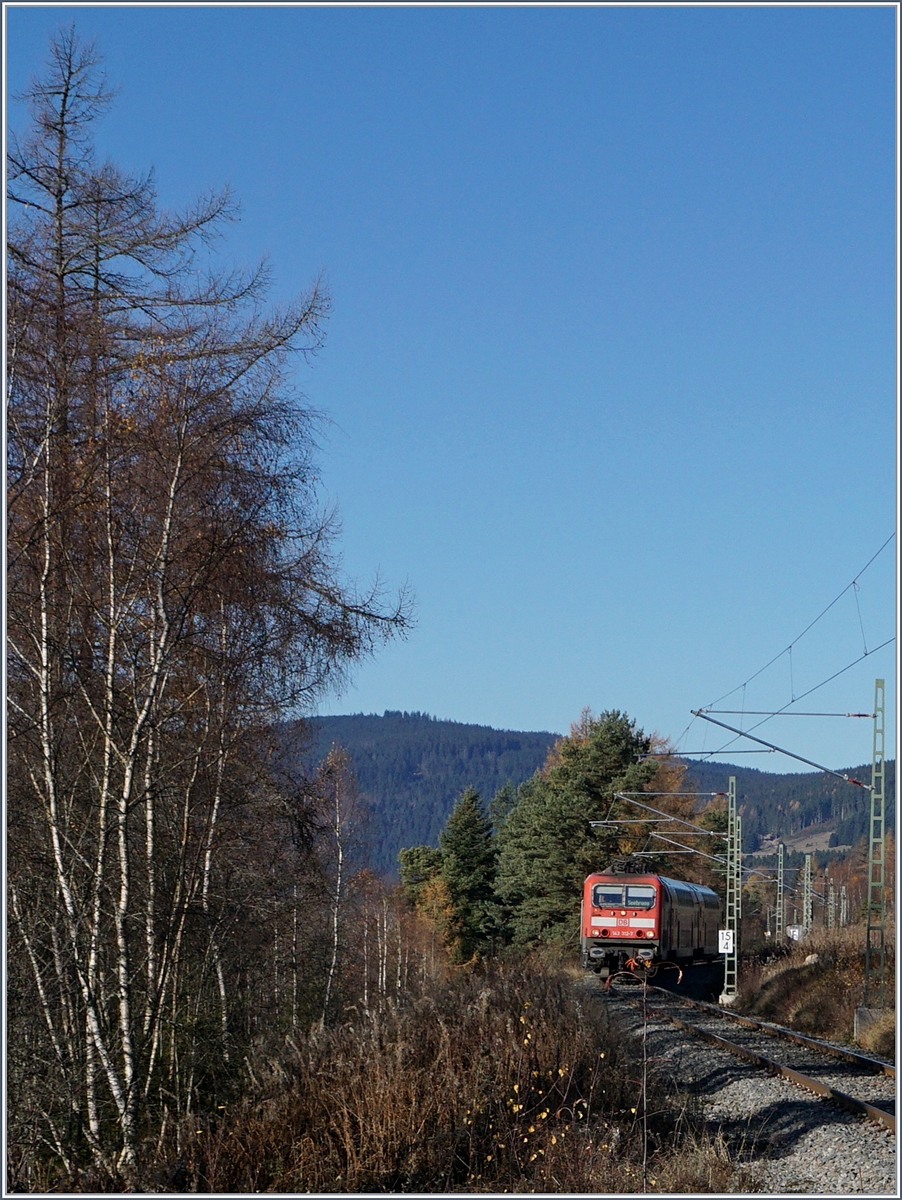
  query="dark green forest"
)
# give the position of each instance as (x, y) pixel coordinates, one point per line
(411, 767)
(784, 805)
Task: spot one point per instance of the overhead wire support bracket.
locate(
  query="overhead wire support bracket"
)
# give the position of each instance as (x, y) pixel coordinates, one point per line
(660, 818)
(629, 795)
(754, 712)
(700, 712)
(700, 753)
(687, 849)
(639, 821)
(630, 798)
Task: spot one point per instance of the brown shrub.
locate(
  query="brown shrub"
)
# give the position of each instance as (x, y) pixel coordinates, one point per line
(880, 1036)
(507, 1078)
(704, 1165)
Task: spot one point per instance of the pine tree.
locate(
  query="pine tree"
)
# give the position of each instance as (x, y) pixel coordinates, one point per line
(418, 865)
(500, 807)
(547, 845)
(468, 869)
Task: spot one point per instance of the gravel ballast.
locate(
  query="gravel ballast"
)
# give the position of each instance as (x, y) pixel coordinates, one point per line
(790, 1141)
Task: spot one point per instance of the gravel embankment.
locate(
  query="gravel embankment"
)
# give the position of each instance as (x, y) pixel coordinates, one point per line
(792, 1141)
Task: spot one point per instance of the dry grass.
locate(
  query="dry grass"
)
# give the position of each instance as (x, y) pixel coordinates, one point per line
(880, 1037)
(703, 1165)
(819, 998)
(503, 1080)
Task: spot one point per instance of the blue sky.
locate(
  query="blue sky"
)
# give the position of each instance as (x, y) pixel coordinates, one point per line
(611, 371)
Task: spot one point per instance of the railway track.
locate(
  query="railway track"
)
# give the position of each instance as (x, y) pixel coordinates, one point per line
(856, 1082)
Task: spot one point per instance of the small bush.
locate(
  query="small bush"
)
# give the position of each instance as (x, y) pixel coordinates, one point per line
(703, 1166)
(880, 1037)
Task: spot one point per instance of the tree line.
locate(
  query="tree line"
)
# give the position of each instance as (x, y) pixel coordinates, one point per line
(784, 805)
(411, 767)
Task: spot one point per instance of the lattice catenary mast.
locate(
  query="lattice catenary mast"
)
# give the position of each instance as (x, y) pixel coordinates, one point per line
(734, 891)
(875, 955)
(806, 897)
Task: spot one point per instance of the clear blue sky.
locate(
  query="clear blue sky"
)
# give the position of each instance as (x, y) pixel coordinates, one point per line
(611, 372)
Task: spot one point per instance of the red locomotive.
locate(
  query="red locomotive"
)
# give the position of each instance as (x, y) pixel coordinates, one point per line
(647, 917)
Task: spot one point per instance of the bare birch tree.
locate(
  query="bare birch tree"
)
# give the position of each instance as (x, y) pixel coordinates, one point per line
(171, 590)
(341, 820)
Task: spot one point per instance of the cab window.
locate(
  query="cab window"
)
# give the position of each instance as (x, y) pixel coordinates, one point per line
(607, 895)
(640, 895)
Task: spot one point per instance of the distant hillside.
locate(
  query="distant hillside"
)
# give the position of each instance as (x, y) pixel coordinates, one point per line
(411, 767)
(786, 804)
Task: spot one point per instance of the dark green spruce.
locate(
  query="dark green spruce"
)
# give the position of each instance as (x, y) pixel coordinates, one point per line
(418, 865)
(468, 869)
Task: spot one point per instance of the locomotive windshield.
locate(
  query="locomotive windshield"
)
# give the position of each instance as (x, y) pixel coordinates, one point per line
(640, 895)
(607, 895)
(611, 895)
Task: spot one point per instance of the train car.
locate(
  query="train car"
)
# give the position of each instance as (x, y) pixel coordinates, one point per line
(647, 917)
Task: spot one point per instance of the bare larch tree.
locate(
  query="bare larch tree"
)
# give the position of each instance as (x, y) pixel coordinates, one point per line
(172, 590)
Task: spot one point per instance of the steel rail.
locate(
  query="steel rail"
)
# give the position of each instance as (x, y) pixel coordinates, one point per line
(860, 1060)
(861, 1107)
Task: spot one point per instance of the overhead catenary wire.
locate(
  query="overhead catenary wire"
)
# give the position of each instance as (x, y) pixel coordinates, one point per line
(782, 711)
(830, 678)
(823, 613)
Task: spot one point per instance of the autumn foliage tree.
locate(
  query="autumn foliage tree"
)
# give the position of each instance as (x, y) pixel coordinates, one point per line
(172, 588)
(452, 887)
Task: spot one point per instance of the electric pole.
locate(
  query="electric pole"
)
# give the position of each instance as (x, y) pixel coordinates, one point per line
(875, 954)
(734, 892)
(806, 897)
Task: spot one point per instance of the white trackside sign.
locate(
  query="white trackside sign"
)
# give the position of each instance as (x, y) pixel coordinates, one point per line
(725, 941)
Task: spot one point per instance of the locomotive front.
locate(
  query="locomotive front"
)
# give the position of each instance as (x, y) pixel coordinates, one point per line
(621, 920)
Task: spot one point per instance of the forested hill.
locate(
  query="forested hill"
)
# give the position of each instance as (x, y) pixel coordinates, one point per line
(786, 804)
(411, 767)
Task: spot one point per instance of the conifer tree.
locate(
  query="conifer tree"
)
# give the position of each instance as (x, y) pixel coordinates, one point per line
(468, 869)
(501, 804)
(418, 865)
(547, 845)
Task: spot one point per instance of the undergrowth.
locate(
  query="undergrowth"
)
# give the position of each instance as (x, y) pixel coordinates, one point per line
(503, 1079)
